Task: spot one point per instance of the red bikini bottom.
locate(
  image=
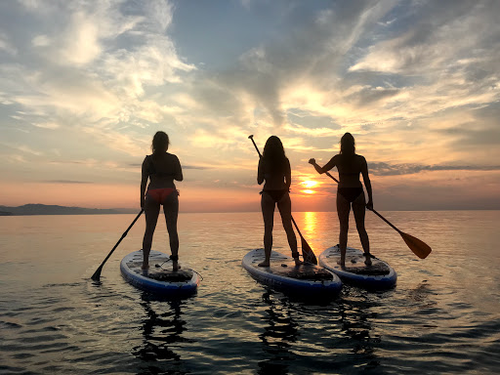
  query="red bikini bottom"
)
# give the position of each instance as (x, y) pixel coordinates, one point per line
(160, 195)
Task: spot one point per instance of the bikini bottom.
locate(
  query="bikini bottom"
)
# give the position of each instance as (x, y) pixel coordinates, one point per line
(159, 195)
(276, 195)
(350, 193)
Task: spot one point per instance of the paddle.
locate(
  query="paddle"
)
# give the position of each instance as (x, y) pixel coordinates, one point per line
(419, 248)
(307, 252)
(97, 274)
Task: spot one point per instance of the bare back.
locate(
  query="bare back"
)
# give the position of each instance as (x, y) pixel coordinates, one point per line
(162, 170)
(274, 180)
(350, 168)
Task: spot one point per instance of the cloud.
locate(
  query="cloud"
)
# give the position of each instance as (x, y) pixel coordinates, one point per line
(66, 182)
(92, 70)
(385, 169)
(413, 81)
(5, 45)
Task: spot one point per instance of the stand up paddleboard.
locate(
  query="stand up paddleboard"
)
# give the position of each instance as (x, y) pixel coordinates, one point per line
(159, 278)
(377, 276)
(306, 280)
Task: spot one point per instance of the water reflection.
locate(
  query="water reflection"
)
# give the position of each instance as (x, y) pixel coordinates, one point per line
(278, 336)
(357, 316)
(162, 328)
(311, 222)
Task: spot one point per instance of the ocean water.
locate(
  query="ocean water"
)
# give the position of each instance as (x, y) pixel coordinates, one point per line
(443, 317)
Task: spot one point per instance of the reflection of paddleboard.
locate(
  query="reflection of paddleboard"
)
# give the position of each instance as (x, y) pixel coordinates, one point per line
(306, 280)
(158, 280)
(377, 276)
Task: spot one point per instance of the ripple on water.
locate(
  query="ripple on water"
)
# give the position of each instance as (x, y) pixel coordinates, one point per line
(434, 321)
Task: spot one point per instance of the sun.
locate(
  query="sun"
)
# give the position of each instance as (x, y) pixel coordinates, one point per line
(309, 184)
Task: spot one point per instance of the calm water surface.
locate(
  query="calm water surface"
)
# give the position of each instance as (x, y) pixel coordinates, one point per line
(442, 318)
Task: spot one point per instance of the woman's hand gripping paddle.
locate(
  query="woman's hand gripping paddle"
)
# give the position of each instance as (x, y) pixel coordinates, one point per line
(419, 248)
(307, 252)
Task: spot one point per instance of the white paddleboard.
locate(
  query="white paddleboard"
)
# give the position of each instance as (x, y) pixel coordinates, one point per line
(380, 275)
(159, 278)
(307, 280)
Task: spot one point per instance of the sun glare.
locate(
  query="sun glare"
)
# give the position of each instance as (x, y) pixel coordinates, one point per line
(307, 191)
(309, 184)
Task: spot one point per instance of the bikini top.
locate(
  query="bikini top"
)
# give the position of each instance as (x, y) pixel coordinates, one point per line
(152, 170)
(349, 173)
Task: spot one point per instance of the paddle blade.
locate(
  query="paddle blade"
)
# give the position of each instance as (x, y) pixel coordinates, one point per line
(307, 253)
(97, 274)
(419, 248)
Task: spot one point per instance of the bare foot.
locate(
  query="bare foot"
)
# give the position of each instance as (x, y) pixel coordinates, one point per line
(341, 264)
(175, 266)
(264, 264)
(298, 262)
(368, 260)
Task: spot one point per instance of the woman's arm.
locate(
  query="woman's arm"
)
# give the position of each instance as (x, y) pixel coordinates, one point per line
(368, 185)
(144, 181)
(332, 163)
(178, 176)
(288, 174)
(260, 173)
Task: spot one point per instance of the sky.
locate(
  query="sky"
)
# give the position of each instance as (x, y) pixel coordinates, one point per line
(84, 85)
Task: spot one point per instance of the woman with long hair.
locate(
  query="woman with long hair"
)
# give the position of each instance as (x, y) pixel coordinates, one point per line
(274, 169)
(161, 169)
(350, 193)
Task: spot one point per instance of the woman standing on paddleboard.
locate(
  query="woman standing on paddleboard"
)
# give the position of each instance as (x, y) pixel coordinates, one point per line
(274, 169)
(161, 169)
(350, 193)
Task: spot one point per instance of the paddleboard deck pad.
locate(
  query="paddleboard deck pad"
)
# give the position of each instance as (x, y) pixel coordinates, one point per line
(306, 280)
(159, 280)
(377, 276)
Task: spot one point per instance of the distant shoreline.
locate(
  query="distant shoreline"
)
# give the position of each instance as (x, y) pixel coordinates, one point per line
(52, 210)
(43, 209)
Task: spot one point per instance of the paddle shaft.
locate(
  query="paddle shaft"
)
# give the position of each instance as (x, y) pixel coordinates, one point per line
(254, 145)
(97, 274)
(419, 248)
(371, 209)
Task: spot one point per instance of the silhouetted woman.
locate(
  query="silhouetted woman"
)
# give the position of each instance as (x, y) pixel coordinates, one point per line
(161, 168)
(350, 193)
(274, 169)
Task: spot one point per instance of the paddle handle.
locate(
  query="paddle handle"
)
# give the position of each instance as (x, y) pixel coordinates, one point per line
(318, 167)
(254, 145)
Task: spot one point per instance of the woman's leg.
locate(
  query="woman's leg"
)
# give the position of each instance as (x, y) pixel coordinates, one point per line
(151, 210)
(343, 209)
(285, 208)
(267, 205)
(171, 210)
(358, 208)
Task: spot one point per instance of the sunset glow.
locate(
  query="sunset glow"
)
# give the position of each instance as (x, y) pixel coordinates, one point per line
(309, 184)
(80, 100)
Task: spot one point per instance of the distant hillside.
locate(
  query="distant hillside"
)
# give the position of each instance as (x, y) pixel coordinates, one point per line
(43, 209)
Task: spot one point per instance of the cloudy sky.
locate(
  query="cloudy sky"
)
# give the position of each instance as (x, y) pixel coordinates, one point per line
(85, 84)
